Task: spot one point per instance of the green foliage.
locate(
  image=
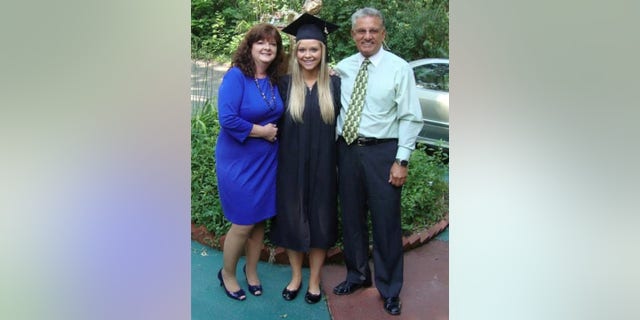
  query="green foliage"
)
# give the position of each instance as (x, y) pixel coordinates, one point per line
(415, 29)
(424, 196)
(216, 27)
(205, 203)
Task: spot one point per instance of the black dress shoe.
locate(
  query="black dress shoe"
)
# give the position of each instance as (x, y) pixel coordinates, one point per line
(392, 306)
(290, 294)
(347, 287)
(312, 298)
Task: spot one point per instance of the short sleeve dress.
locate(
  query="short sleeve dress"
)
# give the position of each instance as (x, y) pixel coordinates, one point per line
(246, 166)
(306, 182)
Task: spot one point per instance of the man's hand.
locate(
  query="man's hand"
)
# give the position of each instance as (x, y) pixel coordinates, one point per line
(398, 175)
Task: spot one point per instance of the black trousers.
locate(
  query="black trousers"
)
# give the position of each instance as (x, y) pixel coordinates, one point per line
(363, 174)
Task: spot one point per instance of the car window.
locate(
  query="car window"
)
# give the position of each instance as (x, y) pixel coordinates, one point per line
(434, 76)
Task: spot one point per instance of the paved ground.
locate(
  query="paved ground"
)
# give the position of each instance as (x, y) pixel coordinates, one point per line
(425, 294)
(209, 301)
(205, 80)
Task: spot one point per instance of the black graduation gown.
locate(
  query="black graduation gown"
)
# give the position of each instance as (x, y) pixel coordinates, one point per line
(306, 182)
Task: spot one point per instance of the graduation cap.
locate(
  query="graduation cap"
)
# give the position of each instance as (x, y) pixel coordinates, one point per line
(309, 26)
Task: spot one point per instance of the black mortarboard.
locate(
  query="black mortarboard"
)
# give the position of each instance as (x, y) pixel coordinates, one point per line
(309, 26)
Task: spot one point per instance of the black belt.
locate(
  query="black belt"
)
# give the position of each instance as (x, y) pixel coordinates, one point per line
(364, 141)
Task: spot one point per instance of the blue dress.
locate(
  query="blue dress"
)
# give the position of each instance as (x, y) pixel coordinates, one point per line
(246, 166)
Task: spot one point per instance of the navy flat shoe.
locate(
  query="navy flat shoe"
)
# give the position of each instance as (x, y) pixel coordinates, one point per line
(290, 294)
(312, 298)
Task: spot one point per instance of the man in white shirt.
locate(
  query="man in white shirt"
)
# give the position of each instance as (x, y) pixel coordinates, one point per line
(373, 168)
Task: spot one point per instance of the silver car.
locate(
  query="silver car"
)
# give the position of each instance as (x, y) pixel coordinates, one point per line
(432, 80)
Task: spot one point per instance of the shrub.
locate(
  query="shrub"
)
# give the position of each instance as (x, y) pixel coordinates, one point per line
(415, 29)
(424, 196)
(205, 203)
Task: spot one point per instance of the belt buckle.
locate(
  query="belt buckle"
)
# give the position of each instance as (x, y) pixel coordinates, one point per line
(360, 141)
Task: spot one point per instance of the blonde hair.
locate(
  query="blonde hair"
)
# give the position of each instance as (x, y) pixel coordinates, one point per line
(297, 89)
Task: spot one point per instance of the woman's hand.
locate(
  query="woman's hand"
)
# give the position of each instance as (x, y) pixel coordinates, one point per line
(271, 132)
(267, 132)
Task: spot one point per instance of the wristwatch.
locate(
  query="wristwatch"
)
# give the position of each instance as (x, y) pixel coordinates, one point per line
(402, 163)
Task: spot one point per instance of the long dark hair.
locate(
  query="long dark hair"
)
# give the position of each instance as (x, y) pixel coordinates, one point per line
(243, 59)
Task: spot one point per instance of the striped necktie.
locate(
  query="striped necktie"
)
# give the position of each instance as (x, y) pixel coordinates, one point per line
(352, 120)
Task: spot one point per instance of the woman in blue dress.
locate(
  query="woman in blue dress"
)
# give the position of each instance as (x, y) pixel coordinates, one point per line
(249, 106)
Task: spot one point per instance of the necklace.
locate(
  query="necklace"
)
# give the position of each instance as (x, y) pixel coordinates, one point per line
(270, 104)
